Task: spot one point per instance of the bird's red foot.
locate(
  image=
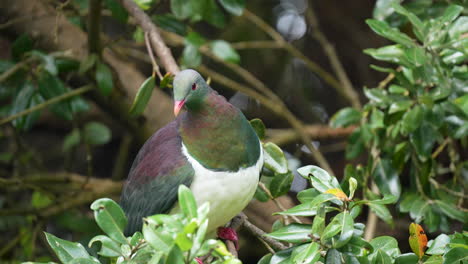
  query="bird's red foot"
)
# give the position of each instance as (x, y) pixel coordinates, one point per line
(227, 233)
(198, 260)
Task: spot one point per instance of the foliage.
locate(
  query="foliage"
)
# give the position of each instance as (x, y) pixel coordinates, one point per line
(339, 239)
(177, 238)
(417, 118)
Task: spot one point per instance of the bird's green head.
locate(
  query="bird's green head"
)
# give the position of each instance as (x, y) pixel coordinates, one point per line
(189, 90)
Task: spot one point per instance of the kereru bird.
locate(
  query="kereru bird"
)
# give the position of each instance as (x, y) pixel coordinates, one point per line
(211, 148)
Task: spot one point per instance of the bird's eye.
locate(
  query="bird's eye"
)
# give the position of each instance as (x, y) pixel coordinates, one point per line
(194, 86)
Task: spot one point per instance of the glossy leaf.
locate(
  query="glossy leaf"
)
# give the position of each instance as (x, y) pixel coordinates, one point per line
(104, 78)
(305, 209)
(21, 45)
(391, 53)
(407, 258)
(451, 210)
(418, 26)
(437, 246)
(224, 51)
(65, 250)
(187, 202)
(333, 257)
(386, 178)
(274, 158)
(345, 117)
(26, 98)
(307, 253)
(158, 240)
(294, 233)
(95, 133)
(259, 127)
(382, 212)
(234, 7)
(110, 218)
(143, 96)
(318, 224)
(456, 255)
(384, 30)
(346, 223)
(71, 140)
(191, 57)
(281, 184)
(109, 248)
(434, 260)
(412, 119)
(423, 139)
(118, 12)
(49, 87)
(387, 244)
(181, 9)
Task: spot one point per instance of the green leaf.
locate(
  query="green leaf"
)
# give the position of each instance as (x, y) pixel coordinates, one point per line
(346, 224)
(400, 106)
(308, 253)
(459, 27)
(170, 23)
(423, 139)
(259, 127)
(224, 51)
(384, 30)
(187, 202)
(87, 63)
(305, 209)
(65, 250)
(418, 26)
(49, 87)
(118, 12)
(71, 140)
(21, 45)
(391, 53)
(407, 258)
(143, 4)
(352, 187)
(345, 117)
(412, 119)
(191, 57)
(451, 13)
(416, 56)
(434, 260)
(382, 9)
(294, 233)
(109, 248)
(96, 133)
(48, 62)
(333, 257)
(381, 257)
(451, 210)
(386, 244)
(104, 78)
(274, 158)
(307, 195)
(318, 225)
(212, 13)
(26, 98)
(159, 240)
(234, 7)
(181, 9)
(143, 96)
(175, 255)
(386, 178)
(437, 246)
(382, 212)
(456, 255)
(281, 184)
(462, 102)
(40, 200)
(110, 218)
(89, 260)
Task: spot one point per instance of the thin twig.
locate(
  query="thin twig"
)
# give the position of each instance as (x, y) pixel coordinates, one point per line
(347, 87)
(443, 187)
(163, 52)
(372, 220)
(286, 136)
(54, 100)
(263, 235)
(260, 44)
(278, 203)
(440, 148)
(153, 60)
(6, 74)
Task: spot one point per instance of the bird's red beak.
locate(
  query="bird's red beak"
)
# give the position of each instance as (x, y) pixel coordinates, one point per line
(177, 106)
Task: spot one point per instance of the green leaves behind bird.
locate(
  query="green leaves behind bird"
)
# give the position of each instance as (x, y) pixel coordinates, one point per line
(143, 96)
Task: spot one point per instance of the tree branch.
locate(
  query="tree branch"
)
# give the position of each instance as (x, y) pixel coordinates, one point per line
(94, 26)
(42, 105)
(163, 52)
(285, 136)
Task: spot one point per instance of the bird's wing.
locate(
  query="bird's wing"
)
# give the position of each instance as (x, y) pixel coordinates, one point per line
(153, 181)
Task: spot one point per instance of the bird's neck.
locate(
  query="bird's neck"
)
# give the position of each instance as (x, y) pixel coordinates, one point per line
(218, 135)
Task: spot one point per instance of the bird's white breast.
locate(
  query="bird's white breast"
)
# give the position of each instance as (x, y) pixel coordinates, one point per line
(228, 193)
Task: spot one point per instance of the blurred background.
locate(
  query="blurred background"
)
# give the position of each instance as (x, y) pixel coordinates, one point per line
(55, 162)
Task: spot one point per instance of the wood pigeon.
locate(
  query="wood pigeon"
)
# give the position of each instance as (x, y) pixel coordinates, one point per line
(211, 148)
